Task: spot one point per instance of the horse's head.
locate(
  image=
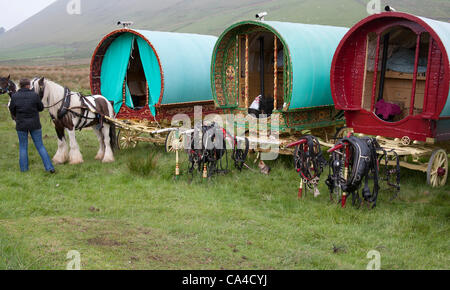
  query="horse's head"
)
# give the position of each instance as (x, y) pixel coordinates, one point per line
(4, 85)
(38, 86)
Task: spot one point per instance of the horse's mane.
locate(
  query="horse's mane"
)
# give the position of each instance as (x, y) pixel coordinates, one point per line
(52, 83)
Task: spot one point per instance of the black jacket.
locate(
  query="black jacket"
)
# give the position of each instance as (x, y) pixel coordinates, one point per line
(25, 107)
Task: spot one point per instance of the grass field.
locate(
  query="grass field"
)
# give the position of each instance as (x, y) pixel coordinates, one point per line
(75, 77)
(118, 219)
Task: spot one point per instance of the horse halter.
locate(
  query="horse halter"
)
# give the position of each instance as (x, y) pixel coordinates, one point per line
(5, 90)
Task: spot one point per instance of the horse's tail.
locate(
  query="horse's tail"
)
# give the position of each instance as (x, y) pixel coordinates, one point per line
(113, 136)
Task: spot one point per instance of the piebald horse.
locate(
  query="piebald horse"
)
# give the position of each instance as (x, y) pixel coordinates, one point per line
(7, 86)
(71, 111)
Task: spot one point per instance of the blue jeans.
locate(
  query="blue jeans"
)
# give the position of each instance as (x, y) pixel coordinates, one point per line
(23, 149)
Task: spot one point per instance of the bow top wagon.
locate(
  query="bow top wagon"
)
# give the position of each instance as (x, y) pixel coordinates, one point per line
(391, 76)
(408, 96)
(277, 68)
(151, 76)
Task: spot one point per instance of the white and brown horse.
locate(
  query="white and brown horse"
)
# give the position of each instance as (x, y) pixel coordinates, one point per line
(71, 111)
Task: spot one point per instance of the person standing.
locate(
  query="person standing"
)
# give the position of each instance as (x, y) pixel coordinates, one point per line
(25, 107)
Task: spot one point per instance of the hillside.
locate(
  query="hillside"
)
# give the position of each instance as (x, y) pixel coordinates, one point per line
(52, 34)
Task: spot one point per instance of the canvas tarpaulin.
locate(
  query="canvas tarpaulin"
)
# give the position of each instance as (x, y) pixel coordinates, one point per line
(152, 73)
(114, 69)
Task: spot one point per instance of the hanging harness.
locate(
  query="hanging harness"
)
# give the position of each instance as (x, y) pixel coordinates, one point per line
(308, 162)
(207, 148)
(308, 158)
(364, 157)
(360, 161)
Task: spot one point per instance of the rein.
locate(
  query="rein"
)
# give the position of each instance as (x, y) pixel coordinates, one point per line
(54, 105)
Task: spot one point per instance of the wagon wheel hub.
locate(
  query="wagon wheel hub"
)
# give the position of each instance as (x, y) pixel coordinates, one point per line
(441, 172)
(127, 139)
(437, 172)
(406, 141)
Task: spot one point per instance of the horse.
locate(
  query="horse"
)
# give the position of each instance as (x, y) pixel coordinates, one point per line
(72, 111)
(7, 86)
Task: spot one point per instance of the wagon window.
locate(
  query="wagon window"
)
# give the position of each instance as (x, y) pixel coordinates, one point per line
(399, 58)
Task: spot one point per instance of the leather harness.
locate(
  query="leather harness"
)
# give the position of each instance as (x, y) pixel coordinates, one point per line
(83, 117)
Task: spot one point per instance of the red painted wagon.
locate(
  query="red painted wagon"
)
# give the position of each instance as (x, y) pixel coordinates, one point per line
(391, 76)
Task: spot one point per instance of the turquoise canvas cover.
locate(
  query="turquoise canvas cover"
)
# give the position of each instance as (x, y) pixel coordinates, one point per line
(311, 49)
(176, 67)
(185, 60)
(152, 73)
(114, 69)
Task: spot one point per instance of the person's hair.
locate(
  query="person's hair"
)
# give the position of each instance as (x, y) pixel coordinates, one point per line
(24, 83)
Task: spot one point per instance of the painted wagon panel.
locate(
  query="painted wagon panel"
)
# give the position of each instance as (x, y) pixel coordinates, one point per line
(289, 63)
(149, 74)
(408, 96)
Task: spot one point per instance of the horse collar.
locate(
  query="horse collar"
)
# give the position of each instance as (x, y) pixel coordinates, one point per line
(65, 104)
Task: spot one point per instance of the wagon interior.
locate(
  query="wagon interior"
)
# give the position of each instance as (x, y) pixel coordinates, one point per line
(262, 73)
(251, 62)
(399, 88)
(135, 80)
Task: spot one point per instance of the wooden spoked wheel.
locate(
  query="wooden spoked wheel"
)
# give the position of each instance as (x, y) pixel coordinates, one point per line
(126, 139)
(437, 172)
(174, 141)
(406, 141)
(342, 133)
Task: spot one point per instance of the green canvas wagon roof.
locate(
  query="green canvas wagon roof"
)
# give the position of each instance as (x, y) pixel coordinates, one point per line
(310, 50)
(176, 65)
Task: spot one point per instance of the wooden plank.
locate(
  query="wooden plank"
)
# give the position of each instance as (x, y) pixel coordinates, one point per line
(405, 76)
(246, 71)
(414, 83)
(365, 74)
(375, 74)
(275, 73)
(412, 166)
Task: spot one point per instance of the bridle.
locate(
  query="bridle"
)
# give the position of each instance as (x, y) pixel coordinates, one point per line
(7, 89)
(4, 91)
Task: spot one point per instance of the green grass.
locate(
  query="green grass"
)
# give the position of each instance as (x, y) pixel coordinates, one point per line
(119, 219)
